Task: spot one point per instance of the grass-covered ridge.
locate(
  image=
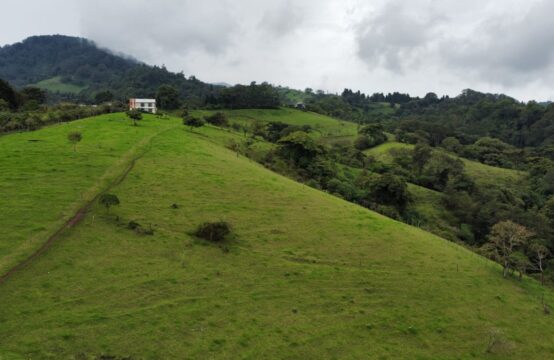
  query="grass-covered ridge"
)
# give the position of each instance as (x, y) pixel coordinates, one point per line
(306, 275)
(323, 126)
(56, 84)
(479, 172)
(44, 182)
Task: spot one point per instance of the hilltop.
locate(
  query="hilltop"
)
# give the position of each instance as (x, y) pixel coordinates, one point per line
(77, 69)
(305, 274)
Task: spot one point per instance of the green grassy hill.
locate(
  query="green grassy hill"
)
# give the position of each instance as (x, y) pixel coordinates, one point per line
(323, 126)
(306, 275)
(481, 173)
(55, 84)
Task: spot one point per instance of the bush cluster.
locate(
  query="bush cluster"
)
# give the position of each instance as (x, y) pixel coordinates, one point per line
(213, 231)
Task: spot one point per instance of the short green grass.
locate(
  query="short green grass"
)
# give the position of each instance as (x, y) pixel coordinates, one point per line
(323, 126)
(43, 181)
(435, 217)
(55, 84)
(306, 275)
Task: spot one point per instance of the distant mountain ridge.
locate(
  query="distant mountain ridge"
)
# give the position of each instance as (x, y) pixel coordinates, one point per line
(76, 68)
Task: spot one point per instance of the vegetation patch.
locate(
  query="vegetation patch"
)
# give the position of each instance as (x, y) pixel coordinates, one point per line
(216, 232)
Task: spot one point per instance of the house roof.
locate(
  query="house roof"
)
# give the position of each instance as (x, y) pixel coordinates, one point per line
(145, 100)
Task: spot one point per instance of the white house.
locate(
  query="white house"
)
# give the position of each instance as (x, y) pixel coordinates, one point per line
(148, 105)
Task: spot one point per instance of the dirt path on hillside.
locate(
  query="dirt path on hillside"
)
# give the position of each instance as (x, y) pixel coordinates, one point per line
(72, 222)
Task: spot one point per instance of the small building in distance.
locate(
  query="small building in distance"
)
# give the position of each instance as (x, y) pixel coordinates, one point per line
(147, 105)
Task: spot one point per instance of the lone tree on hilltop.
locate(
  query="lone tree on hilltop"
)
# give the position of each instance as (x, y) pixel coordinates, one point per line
(134, 115)
(504, 240)
(193, 122)
(74, 137)
(109, 200)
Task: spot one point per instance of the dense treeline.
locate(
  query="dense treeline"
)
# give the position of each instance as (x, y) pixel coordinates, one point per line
(473, 114)
(263, 96)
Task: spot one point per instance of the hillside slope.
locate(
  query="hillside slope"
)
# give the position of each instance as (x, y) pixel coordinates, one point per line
(306, 275)
(44, 182)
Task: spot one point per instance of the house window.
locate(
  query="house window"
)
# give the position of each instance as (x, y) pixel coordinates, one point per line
(142, 105)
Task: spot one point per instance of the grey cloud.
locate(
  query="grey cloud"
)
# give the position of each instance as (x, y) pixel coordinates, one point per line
(166, 26)
(507, 51)
(395, 36)
(283, 18)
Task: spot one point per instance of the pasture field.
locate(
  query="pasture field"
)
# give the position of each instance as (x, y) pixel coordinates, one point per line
(304, 275)
(55, 84)
(43, 182)
(322, 125)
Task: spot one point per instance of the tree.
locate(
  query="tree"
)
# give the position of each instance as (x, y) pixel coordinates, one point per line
(217, 119)
(33, 93)
(421, 155)
(520, 262)
(168, 97)
(193, 122)
(452, 144)
(505, 238)
(539, 253)
(74, 137)
(391, 190)
(300, 148)
(109, 200)
(8, 94)
(134, 115)
(103, 97)
(362, 142)
(374, 134)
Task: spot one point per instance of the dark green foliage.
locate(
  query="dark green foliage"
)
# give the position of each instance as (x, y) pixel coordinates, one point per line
(134, 115)
(263, 96)
(34, 119)
(217, 119)
(74, 137)
(300, 148)
(168, 97)
(33, 93)
(213, 231)
(193, 122)
(491, 151)
(421, 155)
(374, 135)
(103, 96)
(473, 114)
(139, 229)
(8, 94)
(452, 144)
(362, 142)
(108, 200)
(390, 190)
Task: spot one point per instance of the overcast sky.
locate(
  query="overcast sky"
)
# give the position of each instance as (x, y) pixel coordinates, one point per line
(413, 46)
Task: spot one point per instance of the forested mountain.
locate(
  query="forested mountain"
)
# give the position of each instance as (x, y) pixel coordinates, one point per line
(76, 69)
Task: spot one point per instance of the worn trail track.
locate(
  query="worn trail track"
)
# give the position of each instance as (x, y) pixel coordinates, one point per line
(76, 218)
(70, 223)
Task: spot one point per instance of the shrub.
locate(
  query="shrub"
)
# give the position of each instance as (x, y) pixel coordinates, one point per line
(217, 119)
(213, 231)
(138, 229)
(109, 200)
